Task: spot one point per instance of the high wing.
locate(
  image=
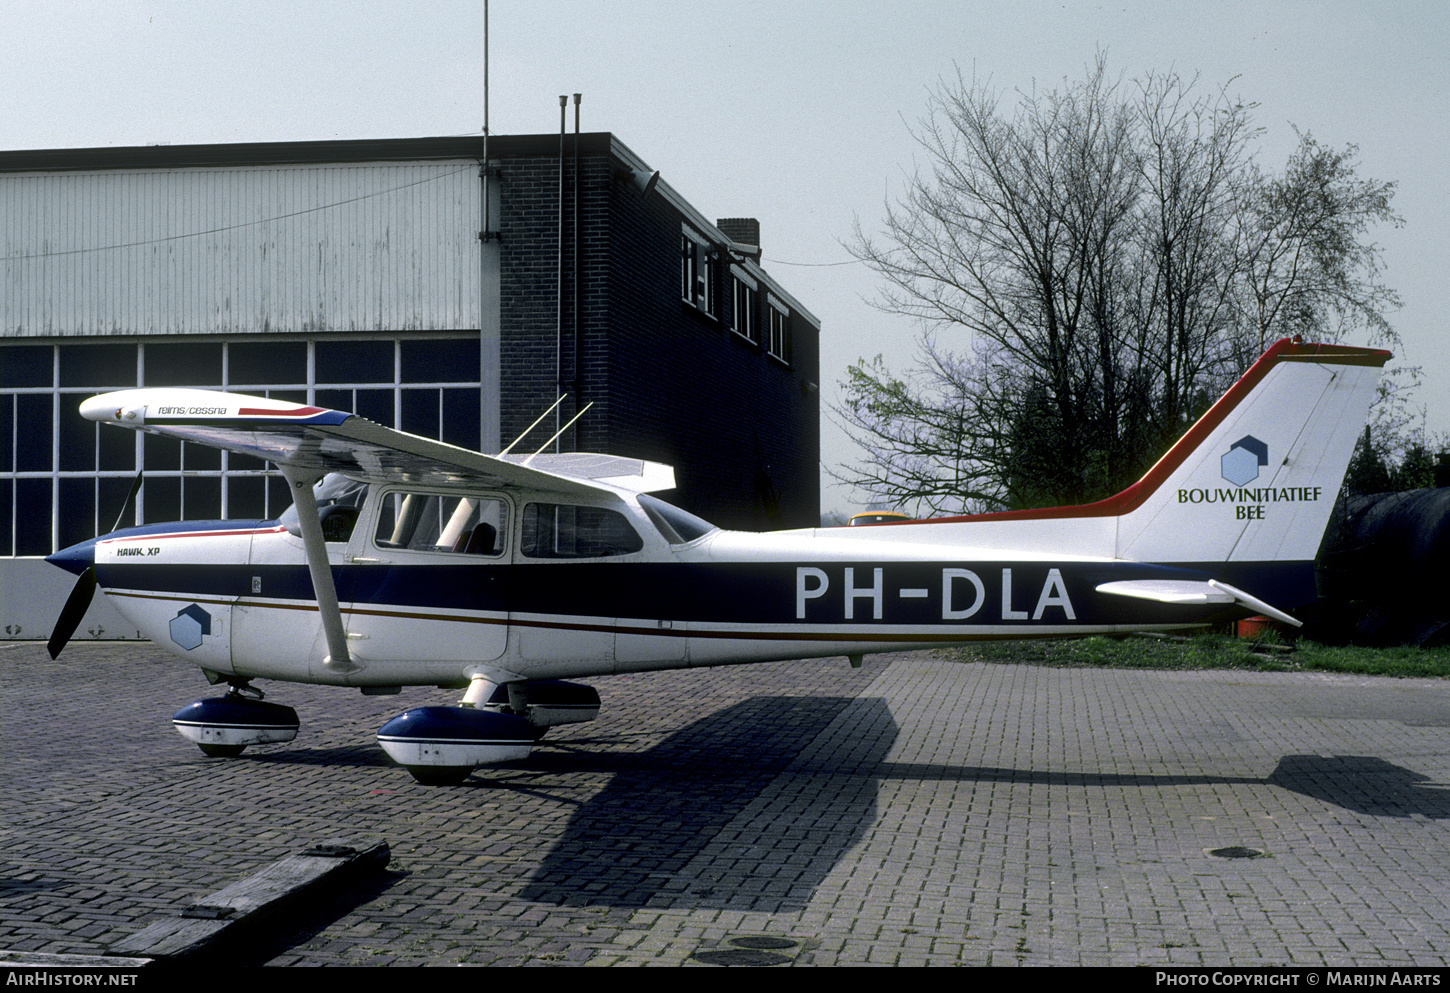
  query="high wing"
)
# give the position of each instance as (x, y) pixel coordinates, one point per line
(307, 442)
(317, 440)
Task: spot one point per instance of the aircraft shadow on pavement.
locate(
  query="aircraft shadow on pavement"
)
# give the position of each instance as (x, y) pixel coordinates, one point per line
(706, 818)
(356, 756)
(1366, 784)
(1363, 783)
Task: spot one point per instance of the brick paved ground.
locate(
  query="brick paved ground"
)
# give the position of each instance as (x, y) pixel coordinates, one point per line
(913, 812)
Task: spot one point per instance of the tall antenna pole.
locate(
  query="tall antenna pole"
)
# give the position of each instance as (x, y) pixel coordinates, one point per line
(486, 105)
(559, 273)
(578, 379)
(490, 404)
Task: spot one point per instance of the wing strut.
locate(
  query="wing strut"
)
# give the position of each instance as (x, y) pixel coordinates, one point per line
(556, 434)
(533, 425)
(301, 480)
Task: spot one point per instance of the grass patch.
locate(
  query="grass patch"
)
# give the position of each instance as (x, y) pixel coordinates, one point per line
(1212, 651)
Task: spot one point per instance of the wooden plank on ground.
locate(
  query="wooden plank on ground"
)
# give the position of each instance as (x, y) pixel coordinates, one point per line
(245, 901)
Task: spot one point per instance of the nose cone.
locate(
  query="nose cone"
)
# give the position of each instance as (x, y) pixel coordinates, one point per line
(77, 558)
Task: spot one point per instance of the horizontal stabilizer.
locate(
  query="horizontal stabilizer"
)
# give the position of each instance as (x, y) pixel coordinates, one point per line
(1193, 592)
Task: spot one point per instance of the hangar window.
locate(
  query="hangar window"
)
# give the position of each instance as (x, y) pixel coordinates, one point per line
(420, 360)
(28, 366)
(63, 479)
(561, 531)
(355, 362)
(99, 367)
(255, 362)
(192, 364)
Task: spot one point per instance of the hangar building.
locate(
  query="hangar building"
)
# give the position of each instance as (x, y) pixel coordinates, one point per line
(402, 279)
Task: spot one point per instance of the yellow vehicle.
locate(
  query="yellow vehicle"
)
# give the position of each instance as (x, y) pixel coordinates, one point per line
(876, 517)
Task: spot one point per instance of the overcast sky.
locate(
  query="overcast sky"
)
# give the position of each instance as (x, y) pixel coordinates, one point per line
(796, 113)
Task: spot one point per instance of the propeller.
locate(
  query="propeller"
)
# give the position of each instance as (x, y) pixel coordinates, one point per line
(85, 588)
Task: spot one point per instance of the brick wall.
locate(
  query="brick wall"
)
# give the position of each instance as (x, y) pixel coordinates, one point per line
(667, 382)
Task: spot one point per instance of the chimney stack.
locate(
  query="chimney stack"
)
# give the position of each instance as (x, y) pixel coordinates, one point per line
(744, 232)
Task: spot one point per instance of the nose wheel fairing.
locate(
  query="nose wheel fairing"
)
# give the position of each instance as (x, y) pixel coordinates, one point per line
(224, 726)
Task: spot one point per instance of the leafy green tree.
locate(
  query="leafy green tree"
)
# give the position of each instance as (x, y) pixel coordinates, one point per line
(1417, 470)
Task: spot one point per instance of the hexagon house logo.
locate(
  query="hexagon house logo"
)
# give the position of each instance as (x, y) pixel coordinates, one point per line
(189, 626)
(1240, 465)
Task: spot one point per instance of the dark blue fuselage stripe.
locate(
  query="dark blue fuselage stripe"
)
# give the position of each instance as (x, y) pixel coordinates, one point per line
(913, 593)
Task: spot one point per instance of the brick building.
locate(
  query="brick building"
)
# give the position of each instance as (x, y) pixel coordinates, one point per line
(400, 279)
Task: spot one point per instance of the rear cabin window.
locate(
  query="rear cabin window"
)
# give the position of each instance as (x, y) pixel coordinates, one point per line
(676, 526)
(562, 531)
(432, 522)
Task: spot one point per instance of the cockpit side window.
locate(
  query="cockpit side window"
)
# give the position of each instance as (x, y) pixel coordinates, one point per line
(338, 502)
(565, 531)
(461, 524)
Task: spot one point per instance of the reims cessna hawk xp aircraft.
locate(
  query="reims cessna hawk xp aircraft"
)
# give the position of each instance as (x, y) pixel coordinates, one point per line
(405, 561)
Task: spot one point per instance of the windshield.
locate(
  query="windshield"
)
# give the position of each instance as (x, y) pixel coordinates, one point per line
(677, 526)
(332, 490)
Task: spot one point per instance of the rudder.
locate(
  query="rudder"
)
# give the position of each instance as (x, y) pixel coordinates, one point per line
(1255, 479)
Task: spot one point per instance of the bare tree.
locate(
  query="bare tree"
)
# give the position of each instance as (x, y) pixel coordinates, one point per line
(1308, 269)
(1115, 259)
(931, 443)
(1182, 295)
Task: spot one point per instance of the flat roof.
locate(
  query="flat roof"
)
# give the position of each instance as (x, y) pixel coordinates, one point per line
(291, 152)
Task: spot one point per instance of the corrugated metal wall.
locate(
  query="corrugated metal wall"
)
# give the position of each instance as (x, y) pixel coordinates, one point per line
(370, 247)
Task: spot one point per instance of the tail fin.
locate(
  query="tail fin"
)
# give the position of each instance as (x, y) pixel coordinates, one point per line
(1243, 497)
(1256, 478)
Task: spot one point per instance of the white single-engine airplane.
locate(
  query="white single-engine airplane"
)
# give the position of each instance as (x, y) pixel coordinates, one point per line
(405, 561)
